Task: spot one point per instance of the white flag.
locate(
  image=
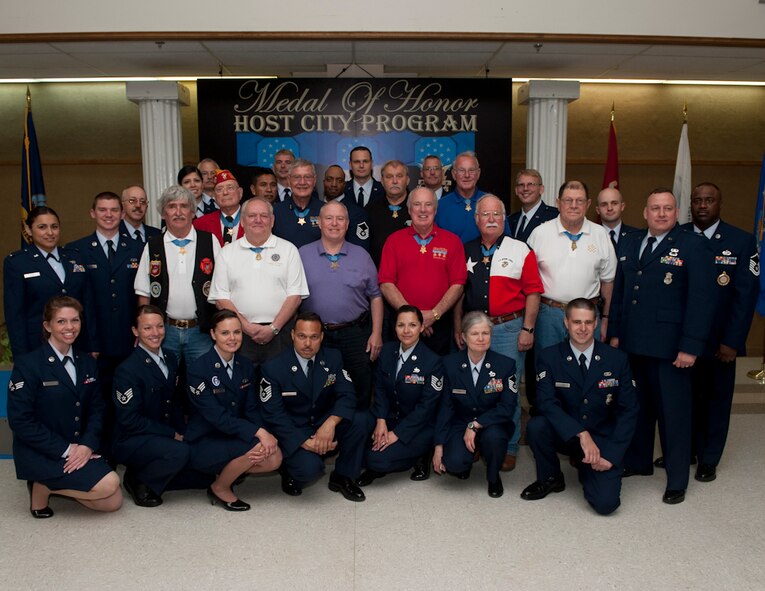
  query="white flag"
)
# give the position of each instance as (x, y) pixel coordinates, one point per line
(682, 186)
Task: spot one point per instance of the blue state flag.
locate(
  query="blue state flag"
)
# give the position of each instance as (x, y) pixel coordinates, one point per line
(759, 222)
(32, 185)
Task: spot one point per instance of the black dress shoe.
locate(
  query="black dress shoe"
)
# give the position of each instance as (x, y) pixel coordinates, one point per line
(141, 494)
(290, 486)
(705, 473)
(238, 505)
(659, 462)
(346, 487)
(540, 489)
(37, 513)
(368, 477)
(421, 469)
(626, 473)
(673, 497)
(496, 489)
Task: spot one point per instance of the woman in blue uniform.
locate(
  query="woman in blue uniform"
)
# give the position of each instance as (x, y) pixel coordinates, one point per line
(476, 407)
(190, 178)
(226, 430)
(37, 273)
(55, 409)
(408, 383)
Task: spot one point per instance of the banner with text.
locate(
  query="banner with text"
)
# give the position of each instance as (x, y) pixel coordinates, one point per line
(243, 123)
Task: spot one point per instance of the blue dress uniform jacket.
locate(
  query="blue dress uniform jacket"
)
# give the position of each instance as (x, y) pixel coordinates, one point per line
(298, 229)
(29, 282)
(145, 402)
(223, 406)
(378, 192)
(408, 402)
(604, 404)
(115, 304)
(490, 402)
(47, 412)
(736, 272)
(294, 408)
(545, 213)
(666, 305)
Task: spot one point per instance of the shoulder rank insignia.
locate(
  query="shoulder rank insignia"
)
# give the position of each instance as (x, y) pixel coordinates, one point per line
(17, 386)
(124, 397)
(265, 390)
(347, 376)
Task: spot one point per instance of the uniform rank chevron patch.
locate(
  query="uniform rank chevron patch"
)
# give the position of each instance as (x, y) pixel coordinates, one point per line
(17, 386)
(511, 383)
(265, 390)
(124, 397)
(541, 376)
(347, 376)
(437, 383)
(198, 390)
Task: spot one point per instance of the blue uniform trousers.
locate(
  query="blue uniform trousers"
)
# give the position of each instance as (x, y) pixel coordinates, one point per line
(351, 341)
(491, 442)
(601, 489)
(305, 466)
(664, 395)
(401, 456)
(713, 382)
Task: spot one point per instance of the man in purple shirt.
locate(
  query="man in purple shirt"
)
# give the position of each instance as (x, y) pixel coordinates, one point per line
(342, 280)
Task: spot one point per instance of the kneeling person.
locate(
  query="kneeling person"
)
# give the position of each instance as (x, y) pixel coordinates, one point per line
(587, 409)
(149, 421)
(308, 401)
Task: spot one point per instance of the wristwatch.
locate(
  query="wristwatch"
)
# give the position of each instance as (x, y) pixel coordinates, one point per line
(472, 427)
(528, 330)
(273, 329)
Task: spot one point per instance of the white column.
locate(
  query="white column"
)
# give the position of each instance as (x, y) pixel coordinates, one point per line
(159, 104)
(547, 129)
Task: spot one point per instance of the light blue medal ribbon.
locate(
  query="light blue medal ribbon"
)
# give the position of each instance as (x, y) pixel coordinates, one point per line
(333, 259)
(487, 253)
(423, 242)
(574, 238)
(395, 209)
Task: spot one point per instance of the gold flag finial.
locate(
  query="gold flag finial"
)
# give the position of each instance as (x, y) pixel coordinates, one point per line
(685, 112)
(29, 99)
(613, 111)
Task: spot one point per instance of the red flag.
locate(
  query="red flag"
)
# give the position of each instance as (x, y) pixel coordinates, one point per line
(611, 174)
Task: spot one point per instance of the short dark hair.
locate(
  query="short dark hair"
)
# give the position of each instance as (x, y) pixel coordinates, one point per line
(409, 309)
(357, 148)
(39, 210)
(581, 304)
(186, 171)
(145, 310)
(260, 171)
(106, 196)
(309, 317)
(220, 316)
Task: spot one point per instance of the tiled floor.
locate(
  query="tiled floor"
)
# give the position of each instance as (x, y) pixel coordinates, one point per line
(439, 534)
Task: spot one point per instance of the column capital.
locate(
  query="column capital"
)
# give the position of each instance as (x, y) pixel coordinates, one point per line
(157, 90)
(548, 89)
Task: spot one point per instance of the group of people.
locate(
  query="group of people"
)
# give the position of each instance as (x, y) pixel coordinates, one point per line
(385, 326)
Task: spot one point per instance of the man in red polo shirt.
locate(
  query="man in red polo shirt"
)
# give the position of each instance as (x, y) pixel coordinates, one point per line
(424, 266)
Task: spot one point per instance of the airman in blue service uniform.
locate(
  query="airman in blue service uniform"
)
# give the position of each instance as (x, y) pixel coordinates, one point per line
(477, 405)
(149, 428)
(408, 385)
(308, 402)
(588, 409)
(227, 428)
(30, 280)
(737, 270)
(661, 314)
(55, 410)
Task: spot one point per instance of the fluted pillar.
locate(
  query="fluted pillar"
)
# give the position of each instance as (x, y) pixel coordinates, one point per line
(159, 104)
(547, 129)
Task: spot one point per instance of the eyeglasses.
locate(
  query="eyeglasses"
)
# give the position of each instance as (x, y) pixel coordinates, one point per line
(568, 202)
(226, 188)
(303, 177)
(487, 214)
(134, 201)
(527, 185)
(466, 171)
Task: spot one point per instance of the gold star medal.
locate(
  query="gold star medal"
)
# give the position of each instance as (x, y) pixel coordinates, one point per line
(334, 265)
(485, 260)
(723, 279)
(467, 207)
(573, 245)
(423, 250)
(182, 250)
(395, 214)
(301, 221)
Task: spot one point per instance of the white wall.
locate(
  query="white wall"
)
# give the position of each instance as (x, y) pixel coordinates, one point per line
(698, 18)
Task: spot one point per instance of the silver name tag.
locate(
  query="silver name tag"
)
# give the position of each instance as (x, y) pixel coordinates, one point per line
(562, 385)
(30, 275)
(459, 391)
(53, 383)
(289, 393)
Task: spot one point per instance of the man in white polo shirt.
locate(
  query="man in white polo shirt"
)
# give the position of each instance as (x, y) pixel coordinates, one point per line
(261, 278)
